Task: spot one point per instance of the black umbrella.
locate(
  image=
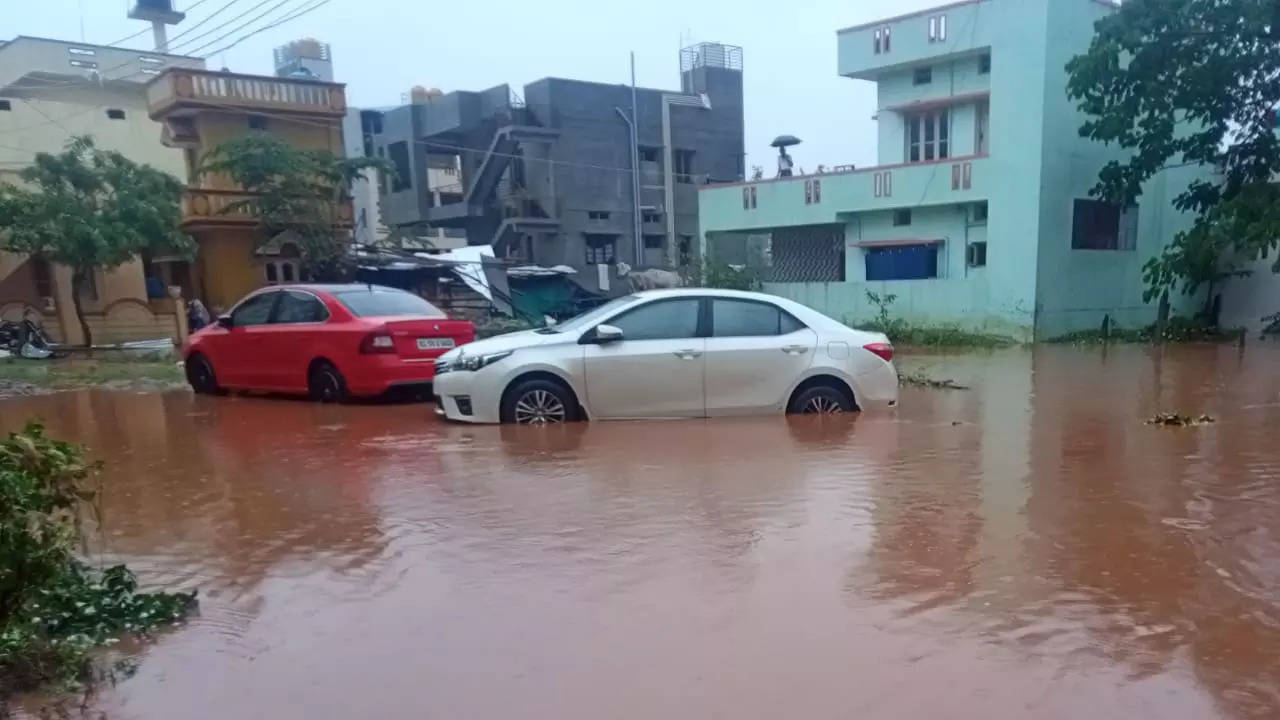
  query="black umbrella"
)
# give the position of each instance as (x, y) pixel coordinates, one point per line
(785, 141)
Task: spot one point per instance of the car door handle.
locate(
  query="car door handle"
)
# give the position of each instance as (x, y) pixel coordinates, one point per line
(795, 349)
(687, 354)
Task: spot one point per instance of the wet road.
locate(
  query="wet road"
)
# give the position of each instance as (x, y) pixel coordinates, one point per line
(1028, 548)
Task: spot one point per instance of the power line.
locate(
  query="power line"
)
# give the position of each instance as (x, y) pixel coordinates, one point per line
(195, 5)
(207, 18)
(278, 23)
(242, 26)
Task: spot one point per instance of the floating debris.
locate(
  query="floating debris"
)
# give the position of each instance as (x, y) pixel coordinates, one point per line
(919, 379)
(1175, 420)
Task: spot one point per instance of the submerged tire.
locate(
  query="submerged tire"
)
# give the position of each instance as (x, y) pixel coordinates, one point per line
(538, 402)
(200, 375)
(325, 384)
(821, 400)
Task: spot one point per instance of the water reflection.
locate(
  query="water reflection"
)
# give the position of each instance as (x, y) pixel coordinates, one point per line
(1026, 547)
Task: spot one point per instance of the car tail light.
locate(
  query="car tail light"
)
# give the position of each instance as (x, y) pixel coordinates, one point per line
(378, 341)
(882, 350)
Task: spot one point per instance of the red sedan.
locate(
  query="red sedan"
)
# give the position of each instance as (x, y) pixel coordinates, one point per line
(327, 341)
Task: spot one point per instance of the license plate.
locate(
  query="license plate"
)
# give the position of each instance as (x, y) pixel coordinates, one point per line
(434, 343)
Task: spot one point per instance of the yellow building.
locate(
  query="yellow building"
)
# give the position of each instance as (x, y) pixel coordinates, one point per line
(50, 91)
(199, 109)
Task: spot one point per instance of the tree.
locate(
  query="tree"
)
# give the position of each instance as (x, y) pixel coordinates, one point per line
(296, 190)
(1191, 82)
(90, 210)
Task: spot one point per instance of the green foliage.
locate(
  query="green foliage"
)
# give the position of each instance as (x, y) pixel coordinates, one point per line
(1178, 329)
(294, 190)
(90, 210)
(53, 607)
(713, 272)
(1191, 82)
(903, 333)
(499, 325)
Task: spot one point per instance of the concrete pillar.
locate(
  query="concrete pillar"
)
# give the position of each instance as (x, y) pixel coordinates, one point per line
(181, 330)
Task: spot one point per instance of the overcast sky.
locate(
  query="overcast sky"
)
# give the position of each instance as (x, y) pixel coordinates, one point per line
(381, 48)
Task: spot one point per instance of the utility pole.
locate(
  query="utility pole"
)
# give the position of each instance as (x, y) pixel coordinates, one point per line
(635, 168)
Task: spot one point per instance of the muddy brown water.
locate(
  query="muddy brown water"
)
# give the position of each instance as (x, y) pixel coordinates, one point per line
(1027, 548)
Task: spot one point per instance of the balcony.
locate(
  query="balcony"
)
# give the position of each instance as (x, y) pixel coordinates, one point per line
(204, 208)
(969, 27)
(183, 89)
(829, 197)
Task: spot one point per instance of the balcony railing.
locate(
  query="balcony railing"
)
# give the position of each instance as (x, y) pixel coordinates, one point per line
(204, 89)
(203, 207)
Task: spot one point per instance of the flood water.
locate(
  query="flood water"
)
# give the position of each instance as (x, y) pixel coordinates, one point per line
(1026, 548)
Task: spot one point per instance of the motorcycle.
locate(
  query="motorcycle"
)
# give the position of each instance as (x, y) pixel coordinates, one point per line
(25, 339)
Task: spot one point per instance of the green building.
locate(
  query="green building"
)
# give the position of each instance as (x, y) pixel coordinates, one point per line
(978, 211)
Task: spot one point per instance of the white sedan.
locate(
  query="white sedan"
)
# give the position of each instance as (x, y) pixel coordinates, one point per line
(669, 354)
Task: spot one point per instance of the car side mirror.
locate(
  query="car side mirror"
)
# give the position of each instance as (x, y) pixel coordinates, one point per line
(607, 334)
(225, 321)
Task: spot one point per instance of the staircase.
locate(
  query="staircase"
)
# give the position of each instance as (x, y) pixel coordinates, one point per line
(488, 174)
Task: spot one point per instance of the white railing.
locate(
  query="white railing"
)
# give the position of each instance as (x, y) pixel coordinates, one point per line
(216, 88)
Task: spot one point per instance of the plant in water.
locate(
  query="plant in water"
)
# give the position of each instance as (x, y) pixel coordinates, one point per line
(53, 606)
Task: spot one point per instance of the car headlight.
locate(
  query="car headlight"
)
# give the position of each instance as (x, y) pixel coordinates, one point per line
(475, 362)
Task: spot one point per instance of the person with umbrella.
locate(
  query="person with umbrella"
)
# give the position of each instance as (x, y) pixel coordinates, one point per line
(784, 160)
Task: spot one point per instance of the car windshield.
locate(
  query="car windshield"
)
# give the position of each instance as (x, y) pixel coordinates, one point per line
(588, 318)
(383, 302)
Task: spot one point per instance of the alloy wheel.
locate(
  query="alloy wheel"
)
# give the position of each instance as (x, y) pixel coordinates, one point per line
(329, 386)
(538, 407)
(822, 405)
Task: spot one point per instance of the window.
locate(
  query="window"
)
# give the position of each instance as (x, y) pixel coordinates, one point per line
(662, 320)
(812, 192)
(654, 242)
(86, 52)
(928, 136)
(89, 289)
(937, 28)
(753, 197)
(742, 318)
(115, 114)
(384, 302)
(281, 271)
(984, 63)
(648, 154)
(650, 216)
(300, 307)
(885, 37)
(599, 249)
(980, 213)
(922, 76)
(254, 311)
(876, 38)
(976, 254)
(85, 64)
(5, 105)
(42, 277)
(597, 215)
(398, 152)
(1098, 225)
(902, 217)
(683, 161)
(257, 122)
(902, 262)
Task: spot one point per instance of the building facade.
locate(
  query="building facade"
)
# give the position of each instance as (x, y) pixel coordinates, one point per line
(548, 178)
(978, 211)
(198, 110)
(51, 91)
